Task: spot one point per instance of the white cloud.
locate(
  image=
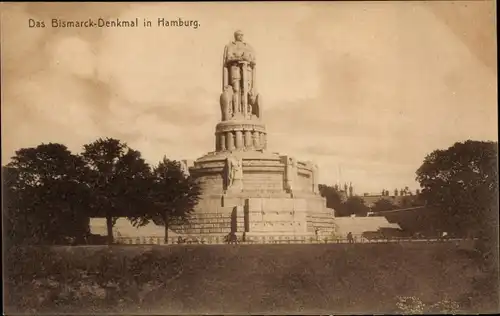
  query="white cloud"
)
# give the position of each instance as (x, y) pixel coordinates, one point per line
(73, 55)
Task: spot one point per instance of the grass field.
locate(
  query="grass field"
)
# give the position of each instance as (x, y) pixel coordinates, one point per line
(279, 279)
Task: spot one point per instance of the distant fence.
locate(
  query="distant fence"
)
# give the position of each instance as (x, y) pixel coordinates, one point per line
(220, 240)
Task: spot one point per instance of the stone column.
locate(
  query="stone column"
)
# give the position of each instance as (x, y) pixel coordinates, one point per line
(263, 140)
(239, 140)
(244, 92)
(229, 141)
(217, 142)
(222, 141)
(248, 139)
(256, 140)
(254, 79)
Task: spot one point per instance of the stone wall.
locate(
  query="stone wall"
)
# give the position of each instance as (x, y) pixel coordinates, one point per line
(276, 215)
(360, 225)
(207, 223)
(209, 204)
(263, 181)
(212, 183)
(304, 181)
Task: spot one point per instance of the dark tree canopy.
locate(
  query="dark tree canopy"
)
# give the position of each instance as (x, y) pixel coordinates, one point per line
(355, 205)
(171, 196)
(51, 194)
(332, 196)
(383, 205)
(116, 176)
(45, 195)
(41, 165)
(463, 182)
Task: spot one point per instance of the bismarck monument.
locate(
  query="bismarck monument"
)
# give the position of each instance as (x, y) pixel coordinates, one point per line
(245, 188)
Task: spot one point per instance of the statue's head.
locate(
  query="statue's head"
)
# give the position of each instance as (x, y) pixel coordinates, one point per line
(238, 36)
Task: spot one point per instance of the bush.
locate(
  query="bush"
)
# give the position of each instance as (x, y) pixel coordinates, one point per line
(410, 305)
(445, 306)
(106, 279)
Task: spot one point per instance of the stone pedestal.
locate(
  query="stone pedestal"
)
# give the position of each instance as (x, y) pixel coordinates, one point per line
(261, 203)
(240, 134)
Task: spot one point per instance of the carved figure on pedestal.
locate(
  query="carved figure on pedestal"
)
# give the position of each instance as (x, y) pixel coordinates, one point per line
(234, 174)
(315, 178)
(290, 173)
(238, 72)
(255, 101)
(229, 173)
(237, 170)
(226, 103)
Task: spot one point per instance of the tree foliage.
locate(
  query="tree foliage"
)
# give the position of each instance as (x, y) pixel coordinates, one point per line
(383, 205)
(116, 177)
(45, 195)
(50, 193)
(332, 196)
(354, 205)
(463, 181)
(171, 196)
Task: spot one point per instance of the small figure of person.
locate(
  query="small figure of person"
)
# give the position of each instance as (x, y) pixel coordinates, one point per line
(180, 240)
(444, 236)
(350, 239)
(232, 238)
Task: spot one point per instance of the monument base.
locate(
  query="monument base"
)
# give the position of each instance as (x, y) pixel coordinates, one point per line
(272, 195)
(270, 215)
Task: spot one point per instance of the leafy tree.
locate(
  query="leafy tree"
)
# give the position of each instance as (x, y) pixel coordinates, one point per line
(332, 196)
(405, 201)
(354, 205)
(116, 177)
(14, 214)
(45, 195)
(417, 200)
(172, 196)
(463, 181)
(383, 205)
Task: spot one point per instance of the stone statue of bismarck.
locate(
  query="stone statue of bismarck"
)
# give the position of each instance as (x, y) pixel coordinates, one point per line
(239, 94)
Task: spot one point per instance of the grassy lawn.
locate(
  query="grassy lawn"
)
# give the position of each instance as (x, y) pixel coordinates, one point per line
(279, 279)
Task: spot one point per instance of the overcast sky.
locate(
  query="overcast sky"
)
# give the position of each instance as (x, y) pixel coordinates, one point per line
(365, 88)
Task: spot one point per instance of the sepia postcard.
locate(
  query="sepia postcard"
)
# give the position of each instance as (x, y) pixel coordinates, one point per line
(249, 158)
